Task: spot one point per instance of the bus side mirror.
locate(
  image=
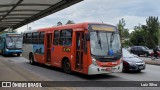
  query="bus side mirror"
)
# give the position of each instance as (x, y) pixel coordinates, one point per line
(87, 36)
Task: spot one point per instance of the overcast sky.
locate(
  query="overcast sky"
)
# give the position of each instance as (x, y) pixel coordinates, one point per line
(134, 12)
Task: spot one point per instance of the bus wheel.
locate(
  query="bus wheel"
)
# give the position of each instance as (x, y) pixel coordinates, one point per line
(31, 59)
(2, 53)
(67, 66)
(18, 55)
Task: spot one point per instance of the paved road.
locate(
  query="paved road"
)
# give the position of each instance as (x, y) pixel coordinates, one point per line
(55, 74)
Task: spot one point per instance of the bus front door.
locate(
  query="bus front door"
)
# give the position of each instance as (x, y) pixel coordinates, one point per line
(48, 48)
(79, 50)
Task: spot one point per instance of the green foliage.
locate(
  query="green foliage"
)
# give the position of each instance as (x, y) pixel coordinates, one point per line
(120, 26)
(70, 22)
(138, 36)
(152, 31)
(124, 33)
(146, 35)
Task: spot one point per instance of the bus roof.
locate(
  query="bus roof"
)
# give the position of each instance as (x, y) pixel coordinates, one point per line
(9, 33)
(84, 24)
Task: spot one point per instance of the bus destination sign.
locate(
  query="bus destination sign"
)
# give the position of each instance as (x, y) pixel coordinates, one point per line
(13, 35)
(103, 28)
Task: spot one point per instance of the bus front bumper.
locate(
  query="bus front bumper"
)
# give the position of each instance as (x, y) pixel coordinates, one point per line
(13, 52)
(103, 70)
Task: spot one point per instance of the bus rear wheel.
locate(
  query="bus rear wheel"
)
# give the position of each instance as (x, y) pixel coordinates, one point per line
(31, 59)
(66, 66)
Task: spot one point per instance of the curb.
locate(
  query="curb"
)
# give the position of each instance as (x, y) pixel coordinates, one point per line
(152, 63)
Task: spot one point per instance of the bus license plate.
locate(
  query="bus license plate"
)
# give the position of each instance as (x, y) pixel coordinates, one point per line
(108, 69)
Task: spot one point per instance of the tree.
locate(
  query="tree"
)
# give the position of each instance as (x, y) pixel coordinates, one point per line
(120, 26)
(137, 37)
(153, 26)
(70, 22)
(124, 33)
(146, 34)
(59, 23)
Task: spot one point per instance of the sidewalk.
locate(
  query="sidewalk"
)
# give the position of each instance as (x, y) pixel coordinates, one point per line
(12, 72)
(148, 60)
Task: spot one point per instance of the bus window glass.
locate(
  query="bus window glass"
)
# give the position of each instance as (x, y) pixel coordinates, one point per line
(35, 38)
(29, 36)
(41, 38)
(13, 42)
(56, 37)
(102, 43)
(0, 39)
(24, 38)
(66, 37)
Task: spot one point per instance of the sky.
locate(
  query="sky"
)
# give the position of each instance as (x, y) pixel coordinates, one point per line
(134, 12)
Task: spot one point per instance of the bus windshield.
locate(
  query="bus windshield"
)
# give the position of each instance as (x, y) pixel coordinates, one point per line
(105, 43)
(14, 42)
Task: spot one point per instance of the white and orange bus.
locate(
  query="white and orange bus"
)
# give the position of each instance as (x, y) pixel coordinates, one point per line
(88, 48)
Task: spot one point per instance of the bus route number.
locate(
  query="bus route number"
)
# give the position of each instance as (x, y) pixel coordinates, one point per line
(66, 49)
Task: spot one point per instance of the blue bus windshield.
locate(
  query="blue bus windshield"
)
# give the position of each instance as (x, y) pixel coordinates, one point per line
(14, 42)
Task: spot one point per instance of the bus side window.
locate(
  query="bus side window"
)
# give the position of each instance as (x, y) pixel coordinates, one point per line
(66, 37)
(35, 38)
(24, 38)
(29, 38)
(33, 35)
(56, 37)
(41, 38)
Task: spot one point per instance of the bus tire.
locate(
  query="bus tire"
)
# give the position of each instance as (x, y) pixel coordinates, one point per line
(66, 65)
(31, 59)
(3, 53)
(18, 55)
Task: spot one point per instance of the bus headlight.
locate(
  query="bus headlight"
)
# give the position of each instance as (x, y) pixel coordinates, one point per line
(94, 61)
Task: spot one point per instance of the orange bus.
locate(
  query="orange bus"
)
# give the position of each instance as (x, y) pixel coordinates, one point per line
(88, 48)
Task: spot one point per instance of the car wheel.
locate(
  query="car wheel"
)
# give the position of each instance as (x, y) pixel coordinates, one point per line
(67, 66)
(138, 70)
(146, 55)
(123, 69)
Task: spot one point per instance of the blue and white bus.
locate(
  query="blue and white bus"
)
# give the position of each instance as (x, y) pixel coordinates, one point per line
(11, 43)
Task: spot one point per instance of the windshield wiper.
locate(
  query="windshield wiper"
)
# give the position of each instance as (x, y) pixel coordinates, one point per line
(112, 38)
(12, 42)
(99, 39)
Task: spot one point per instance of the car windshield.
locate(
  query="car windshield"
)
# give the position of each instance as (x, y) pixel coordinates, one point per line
(14, 42)
(146, 48)
(105, 43)
(127, 54)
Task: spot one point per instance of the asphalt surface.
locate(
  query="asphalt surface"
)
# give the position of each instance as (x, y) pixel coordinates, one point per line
(151, 73)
